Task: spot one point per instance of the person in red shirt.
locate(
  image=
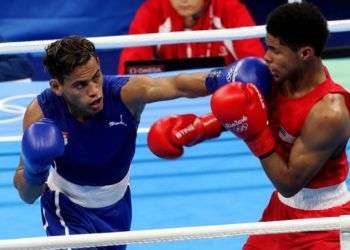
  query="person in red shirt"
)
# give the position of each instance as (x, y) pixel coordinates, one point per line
(301, 139)
(158, 16)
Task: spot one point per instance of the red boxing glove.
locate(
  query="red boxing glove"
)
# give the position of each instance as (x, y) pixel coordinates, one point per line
(168, 135)
(241, 109)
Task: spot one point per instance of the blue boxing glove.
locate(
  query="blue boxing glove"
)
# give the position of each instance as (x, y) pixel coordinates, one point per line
(42, 142)
(246, 70)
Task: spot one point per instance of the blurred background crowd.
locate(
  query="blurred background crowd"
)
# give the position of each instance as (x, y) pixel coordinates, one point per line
(24, 20)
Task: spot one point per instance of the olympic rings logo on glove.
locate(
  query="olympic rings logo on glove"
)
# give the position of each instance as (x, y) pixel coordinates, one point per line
(238, 126)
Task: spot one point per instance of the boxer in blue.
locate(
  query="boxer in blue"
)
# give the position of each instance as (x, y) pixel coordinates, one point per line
(79, 135)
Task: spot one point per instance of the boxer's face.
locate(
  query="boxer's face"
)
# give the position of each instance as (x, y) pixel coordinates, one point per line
(82, 89)
(187, 8)
(283, 62)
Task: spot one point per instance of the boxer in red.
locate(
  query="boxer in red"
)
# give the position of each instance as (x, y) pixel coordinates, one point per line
(299, 132)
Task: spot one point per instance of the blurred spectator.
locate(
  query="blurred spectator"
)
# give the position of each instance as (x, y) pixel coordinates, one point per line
(155, 16)
(14, 67)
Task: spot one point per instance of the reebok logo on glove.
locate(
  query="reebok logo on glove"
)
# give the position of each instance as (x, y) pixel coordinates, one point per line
(184, 131)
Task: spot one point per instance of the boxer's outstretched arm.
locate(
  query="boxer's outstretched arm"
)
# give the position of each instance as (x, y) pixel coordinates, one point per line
(143, 89)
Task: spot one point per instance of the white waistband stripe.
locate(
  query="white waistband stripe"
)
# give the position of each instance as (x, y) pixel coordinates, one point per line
(89, 196)
(318, 199)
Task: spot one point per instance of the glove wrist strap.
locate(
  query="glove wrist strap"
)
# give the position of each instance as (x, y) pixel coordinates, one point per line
(263, 145)
(35, 179)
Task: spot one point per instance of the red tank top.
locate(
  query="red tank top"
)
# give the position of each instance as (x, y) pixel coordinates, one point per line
(287, 119)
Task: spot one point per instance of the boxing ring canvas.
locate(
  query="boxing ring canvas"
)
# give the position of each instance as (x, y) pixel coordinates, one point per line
(215, 182)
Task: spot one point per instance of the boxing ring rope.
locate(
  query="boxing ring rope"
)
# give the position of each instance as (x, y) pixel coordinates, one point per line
(341, 223)
(112, 42)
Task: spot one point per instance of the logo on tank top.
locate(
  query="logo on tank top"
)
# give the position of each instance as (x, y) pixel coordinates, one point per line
(285, 136)
(113, 123)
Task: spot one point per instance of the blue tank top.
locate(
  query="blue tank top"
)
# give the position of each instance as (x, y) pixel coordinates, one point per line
(99, 151)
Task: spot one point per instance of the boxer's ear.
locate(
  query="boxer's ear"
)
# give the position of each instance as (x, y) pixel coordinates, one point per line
(56, 87)
(306, 52)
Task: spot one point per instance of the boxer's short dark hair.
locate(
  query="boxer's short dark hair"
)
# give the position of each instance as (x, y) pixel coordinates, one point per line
(297, 25)
(64, 55)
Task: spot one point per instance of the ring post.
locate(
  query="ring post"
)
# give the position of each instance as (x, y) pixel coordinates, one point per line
(344, 232)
